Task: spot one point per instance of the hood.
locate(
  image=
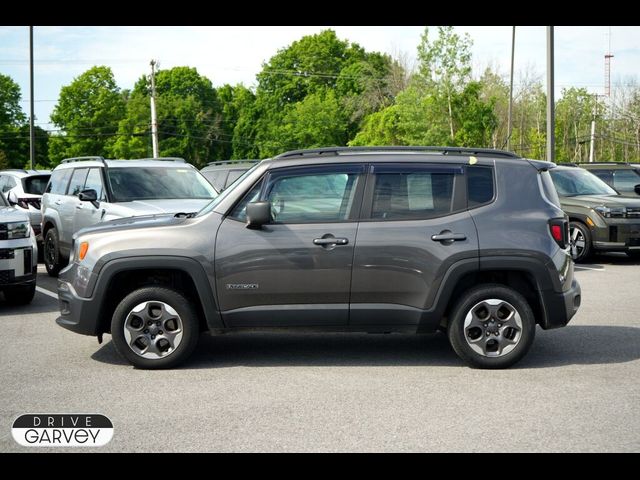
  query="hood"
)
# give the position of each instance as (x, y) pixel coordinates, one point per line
(144, 207)
(131, 223)
(11, 214)
(607, 200)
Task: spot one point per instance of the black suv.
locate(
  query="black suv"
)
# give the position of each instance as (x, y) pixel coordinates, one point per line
(415, 239)
(601, 220)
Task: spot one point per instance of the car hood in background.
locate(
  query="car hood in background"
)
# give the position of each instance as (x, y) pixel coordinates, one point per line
(174, 205)
(11, 214)
(596, 200)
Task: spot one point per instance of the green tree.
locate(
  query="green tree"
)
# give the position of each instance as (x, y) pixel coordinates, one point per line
(11, 114)
(88, 112)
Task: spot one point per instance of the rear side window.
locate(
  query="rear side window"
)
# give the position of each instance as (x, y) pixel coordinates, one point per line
(412, 193)
(58, 182)
(604, 175)
(625, 180)
(548, 188)
(480, 187)
(36, 184)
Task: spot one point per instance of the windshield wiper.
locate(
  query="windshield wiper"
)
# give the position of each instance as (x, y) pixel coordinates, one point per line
(185, 215)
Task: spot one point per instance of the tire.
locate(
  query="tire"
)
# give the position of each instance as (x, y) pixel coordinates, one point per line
(498, 305)
(21, 295)
(152, 346)
(578, 232)
(52, 255)
(633, 254)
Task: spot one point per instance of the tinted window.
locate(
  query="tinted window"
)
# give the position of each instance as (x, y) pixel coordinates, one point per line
(152, 183)
(36, 184)
(77, 181)
(604, 175)
(479, 185)
(239, 212)
(414, 194)
(216, 178)
(320, 197)
(58, 181)
(94, 182)
(625, 180)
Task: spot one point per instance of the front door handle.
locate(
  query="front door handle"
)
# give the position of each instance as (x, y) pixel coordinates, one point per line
(448, 237)
(79, 206)
(330, 241)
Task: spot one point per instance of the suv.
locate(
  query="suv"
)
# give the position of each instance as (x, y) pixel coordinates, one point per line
(86, 190)
(224, 173)
(18, 255)
(624, 177)
(24, 189)
(413, 239)
(600, 219)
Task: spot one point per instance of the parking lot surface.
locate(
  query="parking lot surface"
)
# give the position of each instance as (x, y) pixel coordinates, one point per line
(577, 389)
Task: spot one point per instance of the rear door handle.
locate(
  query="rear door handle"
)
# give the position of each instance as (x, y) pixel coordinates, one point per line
(447, 236)
(58, 202)
(330, 241)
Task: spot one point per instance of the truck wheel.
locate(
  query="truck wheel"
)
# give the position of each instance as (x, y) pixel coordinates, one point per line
(492, 326)
(579, 241)
(155, 327)
(21, 295)
(52, 256)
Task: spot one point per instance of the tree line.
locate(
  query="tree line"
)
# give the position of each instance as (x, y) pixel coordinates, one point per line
(322, 91)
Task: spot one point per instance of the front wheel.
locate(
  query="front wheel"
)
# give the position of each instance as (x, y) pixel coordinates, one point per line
(579, 241)
(492, 326)
(155, 327)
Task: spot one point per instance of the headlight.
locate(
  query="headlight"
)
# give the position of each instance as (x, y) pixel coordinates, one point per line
(18, 230)
(611, 212)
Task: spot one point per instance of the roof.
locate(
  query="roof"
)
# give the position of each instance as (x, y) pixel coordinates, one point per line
(21, 173)
(462, 151)
(167, 162)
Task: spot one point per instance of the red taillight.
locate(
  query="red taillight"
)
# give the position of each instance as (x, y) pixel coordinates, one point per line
(25, 202)
(556, 232)
(558, 227)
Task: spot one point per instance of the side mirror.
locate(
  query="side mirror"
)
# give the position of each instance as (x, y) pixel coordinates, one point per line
(258, 214)
(637, 189)
(89, 195)
(11, 198)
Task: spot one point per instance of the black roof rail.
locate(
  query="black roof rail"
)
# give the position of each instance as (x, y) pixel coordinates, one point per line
(603, 163)
(95, 158)
(164, 159)
(485, 152)
(231, 162)
(567, 164)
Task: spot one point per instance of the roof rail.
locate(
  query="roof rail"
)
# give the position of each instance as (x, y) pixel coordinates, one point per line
(485, 152)
(165, 159)
(95, 158)
(602, 163)
(231, 162)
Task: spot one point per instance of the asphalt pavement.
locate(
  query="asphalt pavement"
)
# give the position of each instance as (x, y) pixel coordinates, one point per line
(577, 390)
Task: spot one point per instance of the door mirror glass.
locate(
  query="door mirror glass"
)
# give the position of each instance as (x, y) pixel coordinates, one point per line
(258, 214)
(89, 195)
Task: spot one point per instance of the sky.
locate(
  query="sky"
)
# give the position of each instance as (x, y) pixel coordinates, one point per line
(234, 54)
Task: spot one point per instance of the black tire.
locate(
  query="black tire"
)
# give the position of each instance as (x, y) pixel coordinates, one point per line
(21, 295)
(633, 254)
(186, 313)
(577, 254)
(52, 256)
(474, 298)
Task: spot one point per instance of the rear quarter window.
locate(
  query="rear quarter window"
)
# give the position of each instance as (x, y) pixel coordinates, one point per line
(480, 185)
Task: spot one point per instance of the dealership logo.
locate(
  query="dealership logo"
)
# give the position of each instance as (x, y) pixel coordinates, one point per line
(62, 430)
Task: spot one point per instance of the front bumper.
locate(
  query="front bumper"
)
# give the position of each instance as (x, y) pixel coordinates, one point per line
(77, 314)
(619, 235)
(560, 308)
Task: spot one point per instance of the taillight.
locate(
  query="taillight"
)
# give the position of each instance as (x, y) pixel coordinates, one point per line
(25, 202)
(559, 229)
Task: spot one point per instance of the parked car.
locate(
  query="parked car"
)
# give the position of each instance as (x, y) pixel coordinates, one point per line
(24, 189)
(600, 220)
(470, 241)
(18, 255)
(88, 190)
(623, 177)
(223, 173)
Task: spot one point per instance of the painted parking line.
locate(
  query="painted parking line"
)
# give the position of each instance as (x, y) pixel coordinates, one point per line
(598, 268)
(47, 292)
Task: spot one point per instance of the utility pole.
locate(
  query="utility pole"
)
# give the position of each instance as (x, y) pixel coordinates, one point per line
(154, 118)
(32, 132)
(513, 47)
(550, 100)
(593, 134)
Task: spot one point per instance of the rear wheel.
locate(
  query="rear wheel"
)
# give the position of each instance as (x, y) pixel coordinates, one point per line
(579, 241)
(633, 254)
(492, 326)
(52, 256)
(155, 327)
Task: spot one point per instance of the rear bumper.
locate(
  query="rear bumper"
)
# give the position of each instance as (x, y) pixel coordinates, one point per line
(560, 308)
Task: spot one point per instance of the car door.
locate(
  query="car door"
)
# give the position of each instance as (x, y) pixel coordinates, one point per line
(86, 214)
(69, 205)
(295, 271)
(414, 225)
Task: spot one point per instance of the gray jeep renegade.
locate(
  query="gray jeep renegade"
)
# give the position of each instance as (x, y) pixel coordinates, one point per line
(398, 239)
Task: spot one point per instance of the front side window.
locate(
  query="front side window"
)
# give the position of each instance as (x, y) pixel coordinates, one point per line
(94, 182)
(412, 193)
(604, 175)
(8, 184)
(77, 181)
(313, 197)
(154, 183)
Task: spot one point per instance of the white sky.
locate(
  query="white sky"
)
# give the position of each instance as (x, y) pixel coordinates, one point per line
(235, 54)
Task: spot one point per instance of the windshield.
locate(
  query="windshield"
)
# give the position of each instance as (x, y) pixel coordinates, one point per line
(577, 181)
(155, 183)
(209, 207)
(35, 184)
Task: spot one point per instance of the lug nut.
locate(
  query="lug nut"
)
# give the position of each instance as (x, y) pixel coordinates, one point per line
(488, 334)
(157, 324)
(153, 337)
(486, 325)
(146, 330)
(499, 325)
(493, 321)
(497, 334)
(149, 322)
(159, 332)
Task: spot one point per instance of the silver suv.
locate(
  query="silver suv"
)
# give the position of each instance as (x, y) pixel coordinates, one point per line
(18, 255)
(24, 189)
(84, 191)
